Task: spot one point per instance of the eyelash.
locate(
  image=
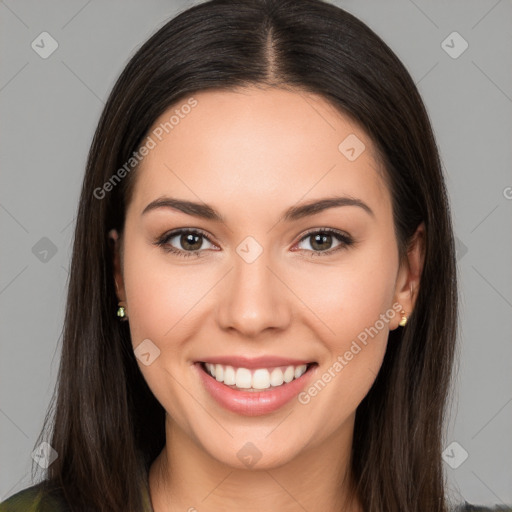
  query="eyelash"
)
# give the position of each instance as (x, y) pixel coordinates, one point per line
(346, 241)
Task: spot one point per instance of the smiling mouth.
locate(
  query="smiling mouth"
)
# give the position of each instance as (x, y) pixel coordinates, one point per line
(257, 379)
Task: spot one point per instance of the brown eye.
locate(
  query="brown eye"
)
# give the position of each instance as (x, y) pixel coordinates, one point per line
(184, 242)
(190, 241)
(325, 241)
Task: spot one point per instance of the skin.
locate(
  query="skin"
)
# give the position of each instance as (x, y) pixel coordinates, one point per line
(251, 154)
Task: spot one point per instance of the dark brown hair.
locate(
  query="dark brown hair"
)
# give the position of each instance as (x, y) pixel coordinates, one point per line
(104, 422)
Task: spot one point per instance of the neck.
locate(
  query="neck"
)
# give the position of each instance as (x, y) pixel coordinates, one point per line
(185, 477)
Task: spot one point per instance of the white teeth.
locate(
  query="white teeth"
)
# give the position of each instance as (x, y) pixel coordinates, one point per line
(276, 377)
(289, 374)
(229, 376)
(261, 378)
(219, 372)
(300, 370)
(243, 378)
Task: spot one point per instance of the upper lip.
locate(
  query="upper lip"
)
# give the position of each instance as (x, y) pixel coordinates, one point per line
(256, 362)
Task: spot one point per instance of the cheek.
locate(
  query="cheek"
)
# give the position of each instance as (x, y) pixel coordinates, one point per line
(349, 296)
(159, 297)
(160, 309)
(354, 302)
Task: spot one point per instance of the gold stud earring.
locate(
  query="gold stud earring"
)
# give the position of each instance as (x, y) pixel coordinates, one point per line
(121, 313)
(403, 321)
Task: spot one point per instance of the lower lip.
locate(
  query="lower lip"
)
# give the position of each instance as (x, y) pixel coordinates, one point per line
(254, 403)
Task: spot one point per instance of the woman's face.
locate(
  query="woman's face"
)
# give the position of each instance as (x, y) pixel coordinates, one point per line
(268, 279)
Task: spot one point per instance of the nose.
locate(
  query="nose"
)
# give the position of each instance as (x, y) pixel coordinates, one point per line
(254, 298)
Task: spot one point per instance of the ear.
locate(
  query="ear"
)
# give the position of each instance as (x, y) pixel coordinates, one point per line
(409, 275)
(115, 243)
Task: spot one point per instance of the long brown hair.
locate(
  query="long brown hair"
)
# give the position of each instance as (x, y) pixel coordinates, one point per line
(104, 422)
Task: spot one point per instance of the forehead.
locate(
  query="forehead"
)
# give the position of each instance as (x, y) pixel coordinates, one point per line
(266, 145)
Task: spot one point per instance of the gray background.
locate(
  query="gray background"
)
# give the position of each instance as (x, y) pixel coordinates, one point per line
(49, 110)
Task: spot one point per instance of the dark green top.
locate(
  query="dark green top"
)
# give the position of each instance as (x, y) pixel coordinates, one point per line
(29, 500)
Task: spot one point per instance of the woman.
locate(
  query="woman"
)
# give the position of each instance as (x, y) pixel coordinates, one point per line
(262, 300)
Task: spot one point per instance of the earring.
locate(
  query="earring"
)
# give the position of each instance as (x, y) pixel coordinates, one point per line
(403, 321)
(121, 313)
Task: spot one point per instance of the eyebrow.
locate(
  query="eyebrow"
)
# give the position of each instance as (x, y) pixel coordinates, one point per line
(205, 211)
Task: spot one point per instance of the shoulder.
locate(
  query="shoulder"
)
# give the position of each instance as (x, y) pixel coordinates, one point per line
(37, 498)
(468, 507)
